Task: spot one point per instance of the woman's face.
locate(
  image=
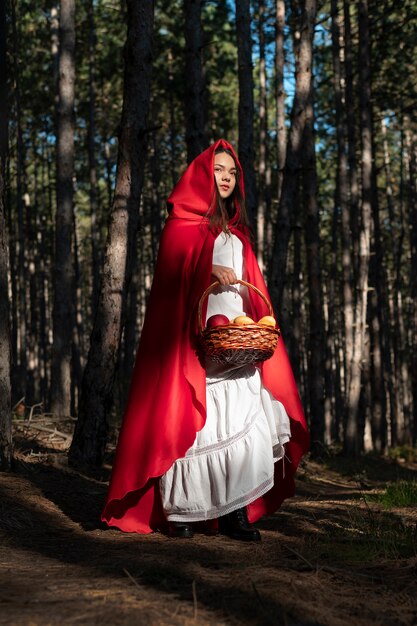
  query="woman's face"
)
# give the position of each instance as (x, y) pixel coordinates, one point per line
(225, 174)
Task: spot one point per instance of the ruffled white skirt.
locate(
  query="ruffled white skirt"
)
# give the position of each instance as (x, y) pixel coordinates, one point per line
(231, 462)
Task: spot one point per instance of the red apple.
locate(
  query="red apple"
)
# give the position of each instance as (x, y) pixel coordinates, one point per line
(217, 320)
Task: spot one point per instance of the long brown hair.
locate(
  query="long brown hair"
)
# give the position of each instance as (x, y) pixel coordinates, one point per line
(221, 210)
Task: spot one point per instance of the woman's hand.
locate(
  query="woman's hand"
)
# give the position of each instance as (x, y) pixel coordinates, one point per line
(225, 275)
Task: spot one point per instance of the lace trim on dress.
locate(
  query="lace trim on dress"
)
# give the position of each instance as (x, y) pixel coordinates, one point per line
(215, 512)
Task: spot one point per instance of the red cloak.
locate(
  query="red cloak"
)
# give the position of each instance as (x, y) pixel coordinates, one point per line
(167, 400)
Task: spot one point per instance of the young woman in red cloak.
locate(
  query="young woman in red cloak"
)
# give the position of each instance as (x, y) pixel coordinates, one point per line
(199, 442)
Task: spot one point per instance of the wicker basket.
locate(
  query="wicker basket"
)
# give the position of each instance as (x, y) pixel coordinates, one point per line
(232, 344)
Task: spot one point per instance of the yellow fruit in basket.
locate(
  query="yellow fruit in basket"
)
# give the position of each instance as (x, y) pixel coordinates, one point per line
(241, 320)
(267, 320)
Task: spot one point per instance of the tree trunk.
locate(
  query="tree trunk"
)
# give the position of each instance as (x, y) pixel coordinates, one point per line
(246, 106)
(312, 236)
(5, 346)
(293, 160)
(31, 297)
(78, 328)
(130, 333)
(90, 435)
(378, 397)
(365, 406)
(281, 130)
(63, 315)
(19, 271)
(353, 445)
(295, 338)
(403, 423)
(379, 332)
(388, 324)
(92, 161)
(405, 436)
(264, 170)
(195, 135)
(333, 407)
(156, 218)
(411, 141)
(342, 191)
(398, 227)
(55, 59)
(42, 284)
(280, 94)
(172, 120)
(351, 138)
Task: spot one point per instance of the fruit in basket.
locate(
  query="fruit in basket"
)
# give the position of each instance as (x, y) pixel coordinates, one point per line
(267, 320)
(217, 320)
(241, 320)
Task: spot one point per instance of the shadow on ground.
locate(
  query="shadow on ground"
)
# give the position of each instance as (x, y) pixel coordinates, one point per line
(54, 551)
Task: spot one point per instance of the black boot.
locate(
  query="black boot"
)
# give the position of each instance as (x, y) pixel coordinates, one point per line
(236, 526)
(180, 529)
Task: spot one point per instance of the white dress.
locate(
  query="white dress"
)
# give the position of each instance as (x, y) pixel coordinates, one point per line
(231, 462)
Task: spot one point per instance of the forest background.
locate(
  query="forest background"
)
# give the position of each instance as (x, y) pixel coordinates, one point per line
(104, 103)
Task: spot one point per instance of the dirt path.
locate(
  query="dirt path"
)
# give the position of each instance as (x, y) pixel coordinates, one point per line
(326, 557)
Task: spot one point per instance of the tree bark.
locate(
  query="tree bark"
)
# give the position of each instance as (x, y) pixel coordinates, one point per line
(342, 190)
(293, 160)
(90, 435)
(264, 176)
(55, 58)
(172, 119)
(63, 313)
(333, 407)
(411, 142)
(405, 435)
(391, 334)
(5, 345)
(402, 376)
(79, 322)
(156, 218)
(281, 130)
(312, 236)
(92, 161)
(18, 271)
(352, 443)
(351, 139)
(246, 106)
(42, 283)
(280, 94)
(195, 135)
(376, 324)
(31, 296)
(295, 336)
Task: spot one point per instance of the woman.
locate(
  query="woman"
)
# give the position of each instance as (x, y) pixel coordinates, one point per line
(198, 442)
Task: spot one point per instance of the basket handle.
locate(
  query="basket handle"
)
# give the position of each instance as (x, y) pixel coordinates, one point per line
(211, 287)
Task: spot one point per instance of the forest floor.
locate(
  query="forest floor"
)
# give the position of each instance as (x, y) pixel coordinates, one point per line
(331, 555)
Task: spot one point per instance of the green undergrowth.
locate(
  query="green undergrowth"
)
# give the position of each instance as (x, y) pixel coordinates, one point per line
(403, 453)
(402, 493)
(373, 530)
(368, 535)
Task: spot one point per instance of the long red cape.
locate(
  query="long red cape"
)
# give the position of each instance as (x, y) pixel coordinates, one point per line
(166, 405)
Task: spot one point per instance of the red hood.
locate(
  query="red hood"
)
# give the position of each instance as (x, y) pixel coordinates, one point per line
(193, 194)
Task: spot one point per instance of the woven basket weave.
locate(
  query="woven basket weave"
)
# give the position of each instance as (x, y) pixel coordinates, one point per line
(232, 344)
